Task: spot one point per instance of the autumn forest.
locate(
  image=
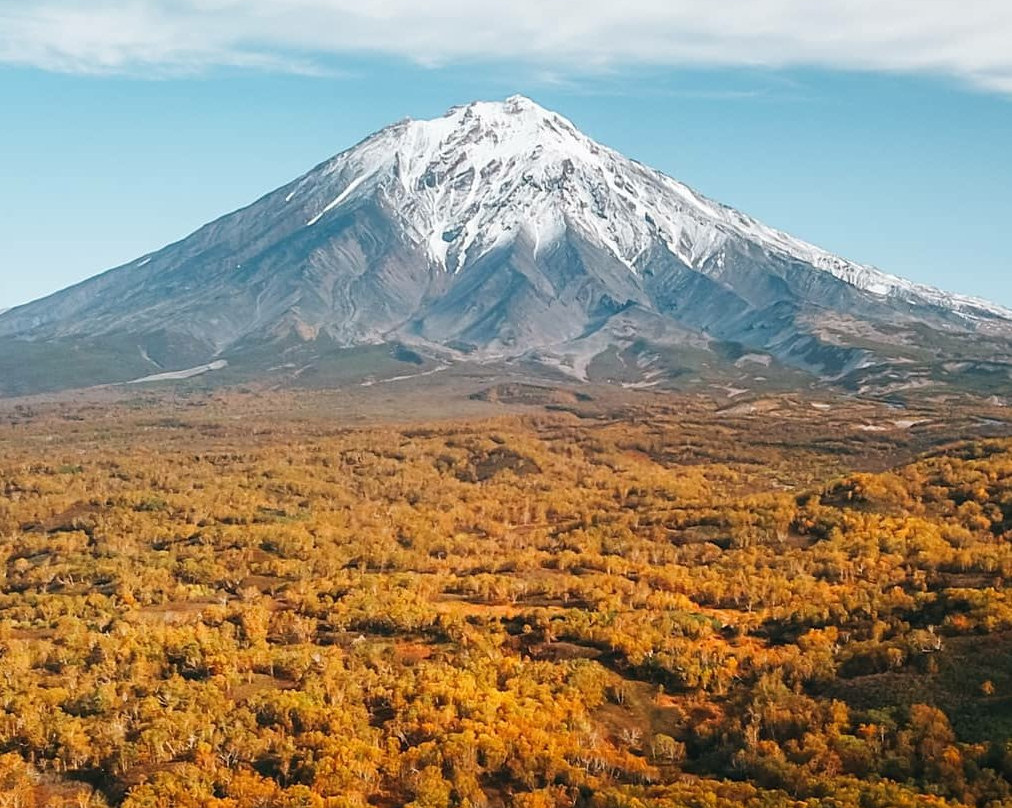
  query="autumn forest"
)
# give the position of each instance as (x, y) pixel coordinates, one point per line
(238, 600)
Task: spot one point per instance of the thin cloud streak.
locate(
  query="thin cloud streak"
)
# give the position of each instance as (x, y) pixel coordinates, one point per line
(966, 40)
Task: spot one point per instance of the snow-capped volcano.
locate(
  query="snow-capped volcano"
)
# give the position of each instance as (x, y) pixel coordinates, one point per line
(487, 173)
(497, 231)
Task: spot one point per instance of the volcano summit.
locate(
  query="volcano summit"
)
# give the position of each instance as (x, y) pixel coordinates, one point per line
(500, 234)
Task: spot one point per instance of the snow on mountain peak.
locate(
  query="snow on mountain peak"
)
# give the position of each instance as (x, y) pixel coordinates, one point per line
(495, 232)
(488, 173)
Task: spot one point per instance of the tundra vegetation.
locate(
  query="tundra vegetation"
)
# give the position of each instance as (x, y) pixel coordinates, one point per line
(231, 601)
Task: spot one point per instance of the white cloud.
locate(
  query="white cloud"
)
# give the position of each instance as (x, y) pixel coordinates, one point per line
(969, 40)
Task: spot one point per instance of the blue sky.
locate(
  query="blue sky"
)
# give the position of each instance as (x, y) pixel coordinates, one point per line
(106, 154)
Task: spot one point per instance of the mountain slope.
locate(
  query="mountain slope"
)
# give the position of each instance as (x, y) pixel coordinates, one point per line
(497, 232)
